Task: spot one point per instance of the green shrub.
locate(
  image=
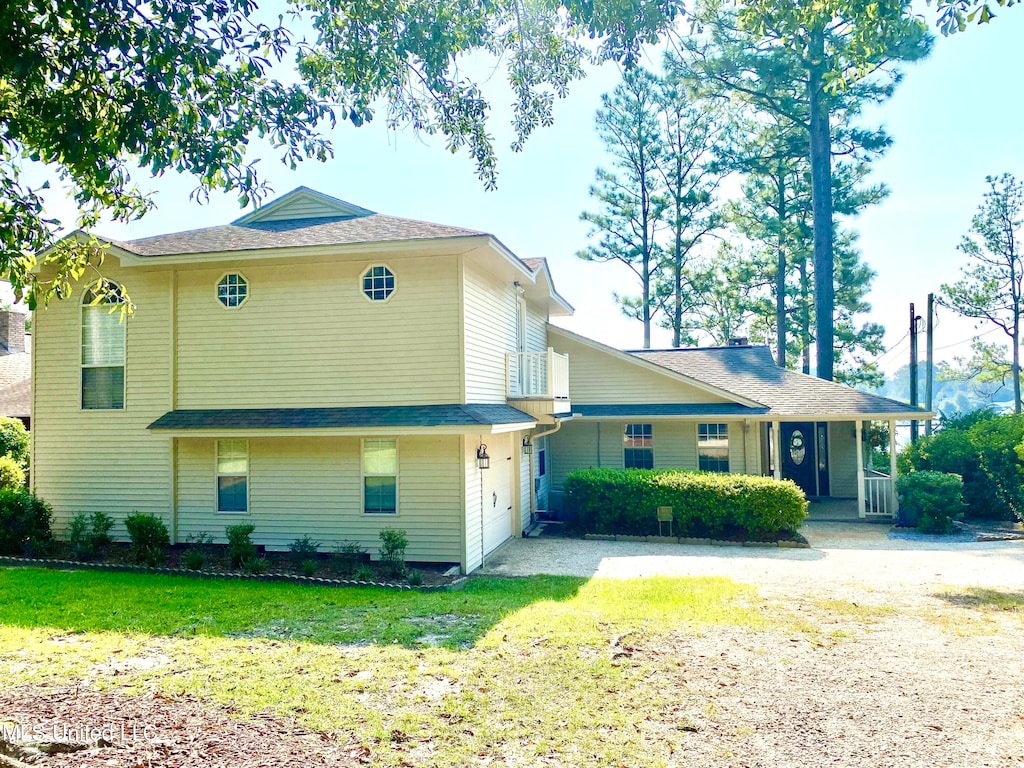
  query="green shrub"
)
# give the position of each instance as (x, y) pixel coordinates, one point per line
(150, 540)
(982, 448)
(365, 573)
(705, 504)
(11, 473)
(240, 547)
(24, 523)
(256, 565)
(415, 578)
(308, 567)
(304, 549)
(350, 554)
(197, 554)
(392, 551)
(88, 535)
(14, 440)
(930, 501)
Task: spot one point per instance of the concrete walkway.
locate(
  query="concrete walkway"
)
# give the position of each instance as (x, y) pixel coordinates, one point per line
(841, 553)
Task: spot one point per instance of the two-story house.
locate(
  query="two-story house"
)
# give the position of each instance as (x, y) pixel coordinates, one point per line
(318, 369)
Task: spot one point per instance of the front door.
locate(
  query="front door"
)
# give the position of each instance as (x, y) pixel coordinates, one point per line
(798, 460)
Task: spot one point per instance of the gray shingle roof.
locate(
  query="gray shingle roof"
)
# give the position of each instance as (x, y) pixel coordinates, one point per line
(398, 417)
(16, 384)
(333, 230)
(667, 409)
(751, 372)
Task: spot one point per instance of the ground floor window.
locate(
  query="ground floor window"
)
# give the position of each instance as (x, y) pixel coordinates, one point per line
(542, 463)
(380, 476)
(638, 447)
(232, 475)
(713, 447)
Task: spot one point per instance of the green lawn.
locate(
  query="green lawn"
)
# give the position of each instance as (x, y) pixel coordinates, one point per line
(526, 669)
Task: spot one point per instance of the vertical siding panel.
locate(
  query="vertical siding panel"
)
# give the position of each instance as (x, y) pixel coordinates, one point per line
(842, 457)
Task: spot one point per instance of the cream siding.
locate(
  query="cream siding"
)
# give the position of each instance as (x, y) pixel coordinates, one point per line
(85, 461)
(599, 377)
(842, 459)
(527, 503)
(542, 483)
(472, 553)
(313, 486)
(490, 332)
(307, 336)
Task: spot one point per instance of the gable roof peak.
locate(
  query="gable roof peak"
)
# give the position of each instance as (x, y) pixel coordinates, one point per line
(302, 203)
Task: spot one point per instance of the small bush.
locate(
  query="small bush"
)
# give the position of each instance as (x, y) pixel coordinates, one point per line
(304, 549)
(197, 555)
(14, 440)
(11, 473)
(308, 567)
(24, 523)
(88, 535)
(415, 578)
(392, 551)
(255, 565)
(704, 504)
(365, 573)
(350, 554)
(930, 501)
(150, 539)
(240, 547)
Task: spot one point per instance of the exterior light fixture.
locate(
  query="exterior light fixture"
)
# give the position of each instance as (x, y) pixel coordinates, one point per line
(482, 459)
(527, 446)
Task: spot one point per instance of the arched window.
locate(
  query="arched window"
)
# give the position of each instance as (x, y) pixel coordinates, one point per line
(103, 344)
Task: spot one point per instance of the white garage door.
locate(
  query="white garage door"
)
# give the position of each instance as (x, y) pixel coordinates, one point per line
(497, 496)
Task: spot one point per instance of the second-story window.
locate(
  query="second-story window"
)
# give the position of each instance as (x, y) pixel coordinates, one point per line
(232, 290)
(103, 352)
(378, 283)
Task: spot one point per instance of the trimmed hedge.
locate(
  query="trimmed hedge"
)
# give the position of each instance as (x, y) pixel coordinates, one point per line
(704, 504)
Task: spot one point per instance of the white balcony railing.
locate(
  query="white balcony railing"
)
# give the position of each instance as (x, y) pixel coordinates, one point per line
(537, 375)
(879, 495)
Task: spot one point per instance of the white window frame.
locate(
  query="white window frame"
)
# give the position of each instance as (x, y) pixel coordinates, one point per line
(243, 302)
(362, 277)
(85, 305)
(625, 429)
(728, 447)
(217, 475)
(363, 474)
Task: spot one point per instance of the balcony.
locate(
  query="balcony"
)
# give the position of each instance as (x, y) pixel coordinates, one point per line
(540, 380)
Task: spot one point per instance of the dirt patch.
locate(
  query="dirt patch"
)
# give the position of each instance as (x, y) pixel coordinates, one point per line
(110, 729)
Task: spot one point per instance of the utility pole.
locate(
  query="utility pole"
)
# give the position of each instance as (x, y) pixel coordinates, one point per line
(913, 370)
(930, 358)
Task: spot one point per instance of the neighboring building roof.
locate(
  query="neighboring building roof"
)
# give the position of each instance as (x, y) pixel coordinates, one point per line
(637, 410)
(534, 264)
(291, 233)
(16, 384)
(751, 373)
(399, 417)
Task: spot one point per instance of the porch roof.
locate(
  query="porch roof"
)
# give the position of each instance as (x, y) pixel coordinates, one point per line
(751, 373)
(459, 418)
(644, 410)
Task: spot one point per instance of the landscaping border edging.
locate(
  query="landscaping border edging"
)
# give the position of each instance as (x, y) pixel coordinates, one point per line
(67, 565)
(785, 543)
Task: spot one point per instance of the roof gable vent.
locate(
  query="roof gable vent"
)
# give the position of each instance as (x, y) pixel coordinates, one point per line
(302, 203)
(739, 341)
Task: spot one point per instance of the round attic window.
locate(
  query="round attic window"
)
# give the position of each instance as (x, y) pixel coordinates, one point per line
(232, 290)
(378, 283)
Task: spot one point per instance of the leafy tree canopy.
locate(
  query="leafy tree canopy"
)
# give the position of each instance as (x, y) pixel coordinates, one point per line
(93, 90)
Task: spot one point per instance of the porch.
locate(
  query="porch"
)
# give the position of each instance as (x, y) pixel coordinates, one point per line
(827, 460)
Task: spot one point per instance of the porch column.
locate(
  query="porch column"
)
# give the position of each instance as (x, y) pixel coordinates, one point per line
(892, 467)
(777, 449)
(858, 430)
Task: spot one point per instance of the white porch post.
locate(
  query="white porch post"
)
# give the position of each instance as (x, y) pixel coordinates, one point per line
(777, 449)
(858, 431)
(892, 467)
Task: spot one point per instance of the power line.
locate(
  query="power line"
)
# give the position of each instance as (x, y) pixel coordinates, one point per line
(969, 338)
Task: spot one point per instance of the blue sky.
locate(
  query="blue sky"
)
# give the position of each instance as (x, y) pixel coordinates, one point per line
(956, 117)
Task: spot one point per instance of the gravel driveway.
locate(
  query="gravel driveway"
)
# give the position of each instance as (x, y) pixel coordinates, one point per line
(841, 554)
(899, 655)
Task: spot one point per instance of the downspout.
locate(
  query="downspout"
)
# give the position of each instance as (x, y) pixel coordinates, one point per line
(533, 513)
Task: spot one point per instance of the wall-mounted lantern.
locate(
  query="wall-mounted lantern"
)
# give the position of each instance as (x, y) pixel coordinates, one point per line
(527, 446)
(482, 459)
